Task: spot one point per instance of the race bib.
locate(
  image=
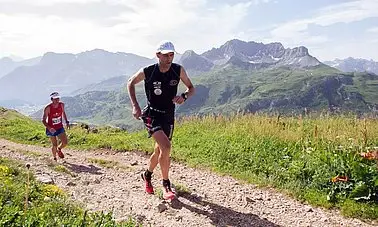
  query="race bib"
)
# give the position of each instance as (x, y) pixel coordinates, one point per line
(56, 120)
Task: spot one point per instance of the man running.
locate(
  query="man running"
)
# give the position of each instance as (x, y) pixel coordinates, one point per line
(160, 82)
(52, 119)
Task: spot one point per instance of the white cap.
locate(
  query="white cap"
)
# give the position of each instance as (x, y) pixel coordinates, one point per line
(55, 95)
(165, 47)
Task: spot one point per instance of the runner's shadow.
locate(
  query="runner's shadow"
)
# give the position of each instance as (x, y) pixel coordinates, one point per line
(219, 215)
(83, 168)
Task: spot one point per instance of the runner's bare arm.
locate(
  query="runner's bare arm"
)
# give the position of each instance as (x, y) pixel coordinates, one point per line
(135, 79)
(64, 115)
(46, 112)
(185, 79)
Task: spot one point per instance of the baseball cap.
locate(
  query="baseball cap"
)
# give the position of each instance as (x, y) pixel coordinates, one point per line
(55, 95)
(165, 47)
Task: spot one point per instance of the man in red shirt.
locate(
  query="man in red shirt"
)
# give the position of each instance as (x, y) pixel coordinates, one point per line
(52, 119)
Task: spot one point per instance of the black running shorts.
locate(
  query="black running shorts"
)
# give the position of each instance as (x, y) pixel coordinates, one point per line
(156, 120)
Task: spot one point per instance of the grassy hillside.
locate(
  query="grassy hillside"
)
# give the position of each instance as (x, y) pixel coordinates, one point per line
(283, 90)
(48, 205)
(231, 89)
(301, 156)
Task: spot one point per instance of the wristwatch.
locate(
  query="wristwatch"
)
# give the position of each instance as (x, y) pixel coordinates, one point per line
(184, 96)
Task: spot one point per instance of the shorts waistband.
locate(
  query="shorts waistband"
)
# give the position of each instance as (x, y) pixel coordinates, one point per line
(157, 110)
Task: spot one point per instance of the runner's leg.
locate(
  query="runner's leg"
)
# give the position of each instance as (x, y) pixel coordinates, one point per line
(54, 147)
(154, 159)
(165, 149)
(63, 140)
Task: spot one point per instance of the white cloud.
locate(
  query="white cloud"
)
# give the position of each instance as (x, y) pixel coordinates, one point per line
(347, 12)
(189, 24)
(35, 35)
(48, 2)
(343, 49)
(257, 2)
(297, 32)
(373, 30)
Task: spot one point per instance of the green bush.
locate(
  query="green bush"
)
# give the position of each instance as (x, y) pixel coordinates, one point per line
(299, 155)
(47, 205)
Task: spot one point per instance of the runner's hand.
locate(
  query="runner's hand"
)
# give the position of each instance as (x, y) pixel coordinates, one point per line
(178, 100)
(137, 113)
(68, 126)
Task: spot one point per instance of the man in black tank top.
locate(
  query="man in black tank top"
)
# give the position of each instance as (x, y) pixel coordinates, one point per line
(160, 82)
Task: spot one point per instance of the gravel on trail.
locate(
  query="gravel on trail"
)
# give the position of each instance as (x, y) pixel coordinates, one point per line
(209, 199)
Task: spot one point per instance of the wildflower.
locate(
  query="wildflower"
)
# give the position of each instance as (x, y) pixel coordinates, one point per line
(370, 155)
(309, 150)
(340, 179)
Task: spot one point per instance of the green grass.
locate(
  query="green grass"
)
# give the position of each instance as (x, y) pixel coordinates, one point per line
(299, 156)
(63, 169)
(47, 205)
(29, 153)
(181, 190)
(103, 163)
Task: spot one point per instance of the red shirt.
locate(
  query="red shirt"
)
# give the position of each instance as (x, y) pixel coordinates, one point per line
(54, 119)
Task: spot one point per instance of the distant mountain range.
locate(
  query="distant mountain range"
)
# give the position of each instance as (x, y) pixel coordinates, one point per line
(73, 74)
(7, 64)
(237, 76)
(233, 89)
(66, 73)
(354, 65)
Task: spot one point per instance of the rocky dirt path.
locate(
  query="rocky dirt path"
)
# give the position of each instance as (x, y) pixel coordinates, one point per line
(212, 200)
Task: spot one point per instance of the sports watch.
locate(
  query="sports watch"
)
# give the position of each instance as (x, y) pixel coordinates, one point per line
(184, 96)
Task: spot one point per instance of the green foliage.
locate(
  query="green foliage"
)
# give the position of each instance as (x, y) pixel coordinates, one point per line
(229, 89)
(297, 155)
(63, 169)
(47, 205)
(104, 163)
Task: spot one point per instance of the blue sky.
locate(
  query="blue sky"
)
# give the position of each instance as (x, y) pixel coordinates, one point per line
(329, 28)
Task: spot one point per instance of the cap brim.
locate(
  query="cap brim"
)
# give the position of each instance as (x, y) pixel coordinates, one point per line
(56, 97)
(166, 51)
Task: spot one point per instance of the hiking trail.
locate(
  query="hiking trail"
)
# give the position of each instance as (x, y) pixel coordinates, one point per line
(211, 199)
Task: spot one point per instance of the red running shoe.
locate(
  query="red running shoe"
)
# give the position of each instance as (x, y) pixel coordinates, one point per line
(149, 187)
(60, 153)
(169, 193)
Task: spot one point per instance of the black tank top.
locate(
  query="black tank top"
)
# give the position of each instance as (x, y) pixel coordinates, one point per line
(161, 87)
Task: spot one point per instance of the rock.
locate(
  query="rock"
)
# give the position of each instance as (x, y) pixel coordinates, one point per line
(324, 219)
(249, 200)
(71, 183)
(162, 207)
(46, 179)
(97, 181)
(134, 163)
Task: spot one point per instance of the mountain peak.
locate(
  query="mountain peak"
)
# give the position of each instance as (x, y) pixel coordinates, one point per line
(189, 53)
(260, 53)
(195, 63)
(351, 64)
(7, 60)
